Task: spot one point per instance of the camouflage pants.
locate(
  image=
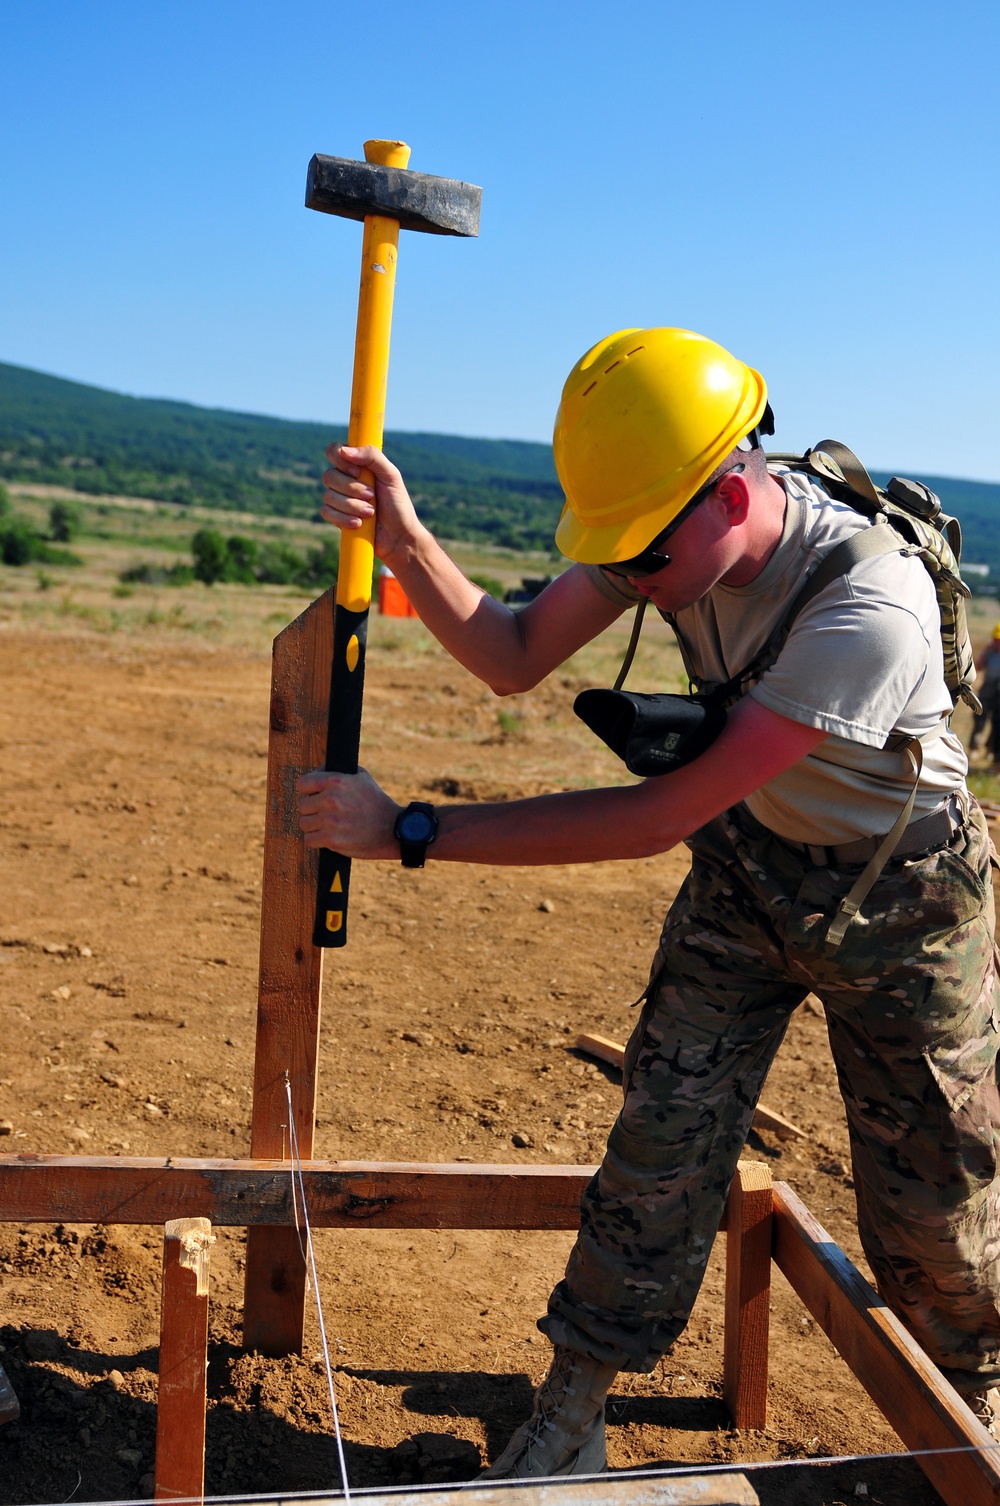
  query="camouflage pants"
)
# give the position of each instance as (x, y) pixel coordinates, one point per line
(912, 1011)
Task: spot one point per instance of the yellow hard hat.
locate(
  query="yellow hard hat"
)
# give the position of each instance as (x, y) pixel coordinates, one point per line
(644, 420)
(996, 631)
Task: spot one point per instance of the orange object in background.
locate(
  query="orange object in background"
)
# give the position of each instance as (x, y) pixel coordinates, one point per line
(392, 599)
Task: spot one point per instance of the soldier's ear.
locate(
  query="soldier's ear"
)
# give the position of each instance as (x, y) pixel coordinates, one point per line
(733, 492)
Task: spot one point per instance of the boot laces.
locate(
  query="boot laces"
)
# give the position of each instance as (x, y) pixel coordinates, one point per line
(548, 1399)
(985, 1405)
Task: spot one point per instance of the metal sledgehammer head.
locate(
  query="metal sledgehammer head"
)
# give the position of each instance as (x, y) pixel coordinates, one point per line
(418, 201)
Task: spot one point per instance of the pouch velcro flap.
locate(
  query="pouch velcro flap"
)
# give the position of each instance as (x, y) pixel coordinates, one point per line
(651, 734)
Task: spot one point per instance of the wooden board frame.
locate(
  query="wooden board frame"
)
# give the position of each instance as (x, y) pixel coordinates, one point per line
(762, 1222)
(185, 1193)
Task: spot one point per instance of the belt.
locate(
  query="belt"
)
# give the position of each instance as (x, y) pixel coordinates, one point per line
(921, 836)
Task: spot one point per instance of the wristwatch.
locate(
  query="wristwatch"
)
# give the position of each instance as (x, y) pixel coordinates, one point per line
(415, 830)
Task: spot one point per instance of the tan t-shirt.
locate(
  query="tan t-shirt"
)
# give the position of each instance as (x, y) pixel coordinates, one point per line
(862, 660)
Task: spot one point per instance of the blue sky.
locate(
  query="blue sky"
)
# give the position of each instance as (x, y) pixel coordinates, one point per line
(814, 185)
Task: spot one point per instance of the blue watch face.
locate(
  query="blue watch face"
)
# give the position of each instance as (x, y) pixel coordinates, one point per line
(415, 826)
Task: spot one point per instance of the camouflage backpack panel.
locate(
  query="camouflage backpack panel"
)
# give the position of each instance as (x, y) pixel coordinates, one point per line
(939, 547)
(914, 511)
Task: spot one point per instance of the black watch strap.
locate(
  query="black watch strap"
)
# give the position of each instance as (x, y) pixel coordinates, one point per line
(415, 835)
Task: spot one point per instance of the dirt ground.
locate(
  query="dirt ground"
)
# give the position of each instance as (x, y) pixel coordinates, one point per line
(132, 771)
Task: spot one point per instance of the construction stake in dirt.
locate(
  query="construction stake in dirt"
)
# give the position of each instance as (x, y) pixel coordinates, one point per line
(183, 1384)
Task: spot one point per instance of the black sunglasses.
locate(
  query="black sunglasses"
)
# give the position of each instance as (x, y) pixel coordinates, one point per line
(651, 559)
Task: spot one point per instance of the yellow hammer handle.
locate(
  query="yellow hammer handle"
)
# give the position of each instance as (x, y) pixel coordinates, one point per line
(371, 370)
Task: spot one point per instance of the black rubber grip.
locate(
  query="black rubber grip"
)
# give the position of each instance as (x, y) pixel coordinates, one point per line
(343, 742)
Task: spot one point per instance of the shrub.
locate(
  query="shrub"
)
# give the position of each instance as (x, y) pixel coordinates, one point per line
(242, 560)
(321, 565)
(65, 521)
(211, 557)
(489, 584)
(20, 544)
(280, 564)
(146, 574)
(275, 562)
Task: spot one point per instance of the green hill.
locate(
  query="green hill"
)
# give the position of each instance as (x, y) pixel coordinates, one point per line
(489, 490)
(52, 430)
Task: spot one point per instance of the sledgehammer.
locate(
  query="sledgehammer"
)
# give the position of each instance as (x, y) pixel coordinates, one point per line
(388, 198)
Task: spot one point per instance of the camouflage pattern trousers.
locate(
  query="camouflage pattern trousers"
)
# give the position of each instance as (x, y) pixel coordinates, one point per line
(912, 1009)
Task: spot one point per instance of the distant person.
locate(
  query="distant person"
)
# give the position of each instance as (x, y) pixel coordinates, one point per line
(800, 802)
(987, 724)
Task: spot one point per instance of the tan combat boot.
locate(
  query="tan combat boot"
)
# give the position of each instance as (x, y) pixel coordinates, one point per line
(986, 1406)
(565, 1433)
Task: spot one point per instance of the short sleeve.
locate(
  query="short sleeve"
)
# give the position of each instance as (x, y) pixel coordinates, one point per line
(612, 587)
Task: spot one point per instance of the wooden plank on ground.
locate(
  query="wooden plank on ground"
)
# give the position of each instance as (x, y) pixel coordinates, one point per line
(183, 1368)
(288, 995)
(614, 1054)
(255, 1193)
(908, 1389)
(748, 1295)
(723, 1488)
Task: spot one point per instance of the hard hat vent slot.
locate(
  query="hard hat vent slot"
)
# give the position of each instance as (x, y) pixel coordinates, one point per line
(634, 352)
(612, 366)
(589, 389)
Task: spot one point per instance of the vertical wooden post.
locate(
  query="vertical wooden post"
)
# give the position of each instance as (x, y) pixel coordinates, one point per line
(749, 1213)
(290, 968)
(180, 1411)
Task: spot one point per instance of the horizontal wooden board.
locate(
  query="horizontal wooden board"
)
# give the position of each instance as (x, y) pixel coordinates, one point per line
(910, 1391)
(339, 1194)
(717, 1488)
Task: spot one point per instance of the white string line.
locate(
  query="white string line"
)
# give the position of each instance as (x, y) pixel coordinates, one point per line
(297, 1175)
(737, 1466)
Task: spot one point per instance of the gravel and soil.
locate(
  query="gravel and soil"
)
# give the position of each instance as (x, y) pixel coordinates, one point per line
(132, 768)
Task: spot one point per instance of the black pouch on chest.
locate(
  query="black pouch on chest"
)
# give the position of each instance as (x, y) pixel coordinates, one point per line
(652, 734)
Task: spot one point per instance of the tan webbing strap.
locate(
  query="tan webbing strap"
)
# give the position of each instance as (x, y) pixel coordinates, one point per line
(852, 902)
(851, 469)
(633, 642)
(879, 538)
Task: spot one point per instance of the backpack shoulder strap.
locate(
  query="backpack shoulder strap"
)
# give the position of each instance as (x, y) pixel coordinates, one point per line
(850, 468)
(880, 538)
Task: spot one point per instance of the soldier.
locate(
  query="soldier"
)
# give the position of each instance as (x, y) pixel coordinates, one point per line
(987, 724)
(669, 497)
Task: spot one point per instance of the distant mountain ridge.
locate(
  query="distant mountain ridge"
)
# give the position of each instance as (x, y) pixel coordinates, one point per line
(96, 441)
(501, 491)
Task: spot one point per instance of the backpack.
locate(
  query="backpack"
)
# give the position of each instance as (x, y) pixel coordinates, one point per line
(914, 512)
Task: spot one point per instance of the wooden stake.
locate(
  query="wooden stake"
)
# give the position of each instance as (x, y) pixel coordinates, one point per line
(611, 1052)
(290, 967)
(180, 1411)
(748, 1294)
(910, 1391)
